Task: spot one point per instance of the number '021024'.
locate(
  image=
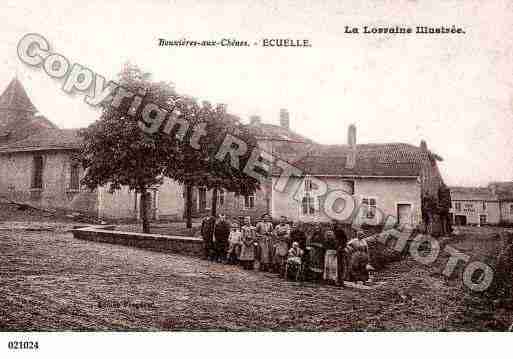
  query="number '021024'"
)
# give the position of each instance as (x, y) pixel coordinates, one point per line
(23, 345)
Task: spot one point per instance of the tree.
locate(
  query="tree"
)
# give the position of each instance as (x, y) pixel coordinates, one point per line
(199, 166)
(116, 152)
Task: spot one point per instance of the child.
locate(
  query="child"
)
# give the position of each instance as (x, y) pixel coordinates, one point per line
(234, 243)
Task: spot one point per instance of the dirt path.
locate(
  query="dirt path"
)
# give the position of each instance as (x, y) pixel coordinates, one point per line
(51, 281)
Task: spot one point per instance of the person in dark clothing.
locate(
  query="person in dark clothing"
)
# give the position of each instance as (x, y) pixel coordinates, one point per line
(297, 234)
(341, 237)
(207, 233)
(221, 234)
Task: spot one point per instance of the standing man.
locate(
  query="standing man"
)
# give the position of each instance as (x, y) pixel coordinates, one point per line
(297, 234)
(207, 232)
(221, 234)
(341, 238)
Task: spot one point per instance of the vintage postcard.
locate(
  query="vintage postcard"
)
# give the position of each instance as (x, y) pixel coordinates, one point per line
(254, 166)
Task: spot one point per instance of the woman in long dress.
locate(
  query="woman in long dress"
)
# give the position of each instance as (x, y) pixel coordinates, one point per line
(264, 230)
(247, 251)
(281, 246)
(330, 258)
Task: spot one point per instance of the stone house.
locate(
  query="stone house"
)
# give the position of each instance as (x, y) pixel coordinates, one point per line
(474, 205)
(389, 178)
(36, 157)
(483, 205)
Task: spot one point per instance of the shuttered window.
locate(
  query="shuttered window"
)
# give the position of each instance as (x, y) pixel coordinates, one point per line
(37, 172)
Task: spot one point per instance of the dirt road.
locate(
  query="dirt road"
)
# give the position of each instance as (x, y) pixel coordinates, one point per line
(51, 281)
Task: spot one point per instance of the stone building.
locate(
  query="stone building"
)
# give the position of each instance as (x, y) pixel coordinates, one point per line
(36, 157)
(387, 179)
(483, 205)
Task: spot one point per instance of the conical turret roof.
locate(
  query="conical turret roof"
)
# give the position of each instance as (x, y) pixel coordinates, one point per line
(15, 98)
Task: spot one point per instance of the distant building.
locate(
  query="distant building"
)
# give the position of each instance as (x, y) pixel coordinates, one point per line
(474, 205)
(483, 205)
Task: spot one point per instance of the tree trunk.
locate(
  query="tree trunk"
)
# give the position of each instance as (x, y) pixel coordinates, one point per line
(214, 202)
(188, 205)
(144, 211)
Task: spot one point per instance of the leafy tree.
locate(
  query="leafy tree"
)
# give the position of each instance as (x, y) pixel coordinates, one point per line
(199, 167)
(116, 152)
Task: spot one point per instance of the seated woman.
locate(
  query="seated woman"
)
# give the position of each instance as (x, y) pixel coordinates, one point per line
(294, 260)
(357, 252)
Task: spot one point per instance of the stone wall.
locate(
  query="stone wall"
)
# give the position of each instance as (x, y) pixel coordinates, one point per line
(191, 246)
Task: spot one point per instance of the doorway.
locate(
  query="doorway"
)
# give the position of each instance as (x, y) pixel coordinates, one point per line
(404, 214)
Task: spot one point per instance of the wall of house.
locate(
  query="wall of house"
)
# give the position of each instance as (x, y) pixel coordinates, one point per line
(170, 200)
(387, 193)
(167, 202)
(16, 172)
(506, 211)
(391, 192)
(473, 209)
(233, 206)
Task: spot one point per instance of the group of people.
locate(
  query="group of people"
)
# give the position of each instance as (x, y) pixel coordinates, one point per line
(286, 249)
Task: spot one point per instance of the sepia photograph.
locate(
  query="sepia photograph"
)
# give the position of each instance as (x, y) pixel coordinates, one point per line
(256, 176)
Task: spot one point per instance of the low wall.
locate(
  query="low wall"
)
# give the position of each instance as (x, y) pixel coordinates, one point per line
(156, 242)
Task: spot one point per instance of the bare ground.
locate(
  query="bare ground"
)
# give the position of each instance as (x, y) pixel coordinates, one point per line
(51, 281)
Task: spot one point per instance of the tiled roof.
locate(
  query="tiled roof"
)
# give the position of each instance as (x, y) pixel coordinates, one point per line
(18, 118)
(267, 131)
(15, 98)
(472, 194)
(46, 139)
(383, 160)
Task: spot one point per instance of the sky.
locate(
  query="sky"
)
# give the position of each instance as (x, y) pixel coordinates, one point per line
(453, 91)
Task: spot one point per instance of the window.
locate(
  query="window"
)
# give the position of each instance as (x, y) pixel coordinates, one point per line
(74, 182)
(249, 201)
(484, 206)
(308, 205)
(309, 185)
(220, 197)
(202, 199)
(511, 208)
(37, 172)
(369, 204)
(468, 207)
(457, 206)
(308, 201)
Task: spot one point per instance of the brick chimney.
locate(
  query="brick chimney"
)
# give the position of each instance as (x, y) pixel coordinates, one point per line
(284, 118)
(255, 120)
(351, 142)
